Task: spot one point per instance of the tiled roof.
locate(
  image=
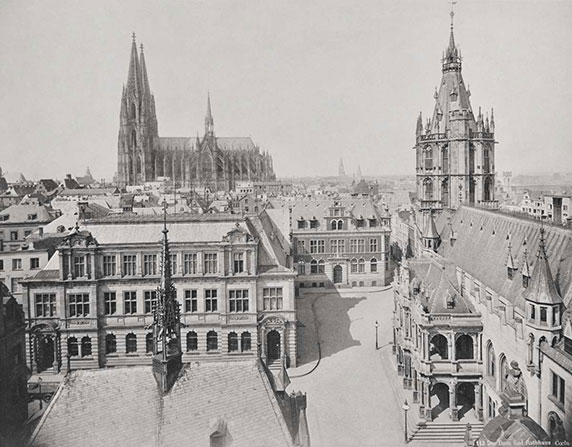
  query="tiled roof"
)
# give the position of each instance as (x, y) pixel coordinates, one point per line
(123, 406)
(481, 243)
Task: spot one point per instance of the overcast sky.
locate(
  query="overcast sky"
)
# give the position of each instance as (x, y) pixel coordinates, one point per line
(309, 81)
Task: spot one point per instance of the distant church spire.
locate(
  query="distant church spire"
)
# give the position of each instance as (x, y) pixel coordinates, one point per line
(341, 170)
(167, 352)
(133, 76)
(209, 121)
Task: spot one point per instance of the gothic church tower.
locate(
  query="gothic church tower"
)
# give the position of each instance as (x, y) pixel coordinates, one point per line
(138, 127)
(454, 149)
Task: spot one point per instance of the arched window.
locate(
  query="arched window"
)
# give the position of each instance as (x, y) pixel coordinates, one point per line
(133, 111)
(321, 266)
(445, 158)
(354, 265)
(130, 343)
(192, 341)
(530, 358)
(439, 348)
(245, 342)
(133, 138)
(73, 349)
(486, 161)
(86, 346)
(428, 189)
(301, 267)
(333, 225)
(491, 360)
(488, 189)
(464, 347)
(340, 224)
(445, 193)
(503, 371)
(313, 266)
(110, 344)
(149, 343)
(212, 341)
(232, 342)
(373, 265)
(428, 157)
(361, 265)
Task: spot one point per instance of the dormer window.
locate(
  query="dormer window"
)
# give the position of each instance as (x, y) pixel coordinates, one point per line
(510, 272)
(301, 223)
(314, 222)
(360, 222)
(32, 216)
(525, 281)
(450, 302)
(373, 222)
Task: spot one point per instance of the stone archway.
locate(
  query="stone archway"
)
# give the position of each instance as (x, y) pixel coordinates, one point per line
(273, 345)
(45, 346)
(465, 398)
(441, 391)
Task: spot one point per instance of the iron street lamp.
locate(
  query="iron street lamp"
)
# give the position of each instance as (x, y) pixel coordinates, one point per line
(376, 339)
(40, 391)
(405, 408)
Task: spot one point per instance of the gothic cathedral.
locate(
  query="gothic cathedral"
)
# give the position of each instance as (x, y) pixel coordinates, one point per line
(212, 162)
(454, 150)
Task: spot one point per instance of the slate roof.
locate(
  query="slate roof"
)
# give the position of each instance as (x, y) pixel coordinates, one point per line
(123, 406)
(512, 431)
(235, 143)
(438, 281)
(174, 143)
(481, 249)
(20, 213)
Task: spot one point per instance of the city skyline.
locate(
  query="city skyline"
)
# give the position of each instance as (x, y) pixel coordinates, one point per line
(305, 84)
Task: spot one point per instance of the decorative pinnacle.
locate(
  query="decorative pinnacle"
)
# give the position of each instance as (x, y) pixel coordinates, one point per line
(165, 206)
(452, 13)
(133, 37)
(141, 46)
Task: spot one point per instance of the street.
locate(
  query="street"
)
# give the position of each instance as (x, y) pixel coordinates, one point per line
(350, 398)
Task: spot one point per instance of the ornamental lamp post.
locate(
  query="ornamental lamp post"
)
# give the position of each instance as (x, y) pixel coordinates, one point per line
(376, 339)
(405, 408)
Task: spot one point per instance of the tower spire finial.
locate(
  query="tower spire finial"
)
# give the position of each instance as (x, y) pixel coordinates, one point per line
(133, 36)
(209, 121)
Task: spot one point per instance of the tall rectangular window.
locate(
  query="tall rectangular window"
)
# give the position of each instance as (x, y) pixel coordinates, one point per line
(211, 304)
(79, 266)
(543, 314)
(191, 301)
(190, 263)
(210, 263)
(361, 245)
(558, 388)
(45, 304)
(373, 247)
(272, 298)
(150, 300)
(109, 265)
(78, 304)
(34, 263)
(16, 264)
(353, 245)
(238, 300)
(238, 262)
(129, 265)
(130, 302)
(338, 246)
(300, 247)
(109, 303)
(173, 264)
(149, 264)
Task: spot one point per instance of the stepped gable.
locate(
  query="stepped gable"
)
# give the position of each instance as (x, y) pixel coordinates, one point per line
(481, 249)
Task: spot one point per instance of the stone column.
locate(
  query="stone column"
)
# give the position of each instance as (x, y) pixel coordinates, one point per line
(427, 385)
(453, 400)
(478, 400)
(451, 340)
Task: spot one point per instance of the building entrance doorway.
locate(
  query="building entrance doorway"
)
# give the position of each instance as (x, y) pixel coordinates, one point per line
(45, 352)
(338, 274)
(273, 345)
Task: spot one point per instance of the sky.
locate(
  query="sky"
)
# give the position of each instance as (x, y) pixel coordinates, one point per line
(309, 81)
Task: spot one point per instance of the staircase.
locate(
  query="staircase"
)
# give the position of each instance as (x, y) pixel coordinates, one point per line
(445, 433)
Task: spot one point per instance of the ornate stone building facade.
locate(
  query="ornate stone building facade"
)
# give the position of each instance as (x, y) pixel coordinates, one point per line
(143, 156)
(455, 150)
(92, 305)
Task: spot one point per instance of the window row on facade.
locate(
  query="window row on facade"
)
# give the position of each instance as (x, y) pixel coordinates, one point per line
(319, 266)
(17, 264)
(338, 246)
(149, 264)
(127, 302)
(236, 342)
